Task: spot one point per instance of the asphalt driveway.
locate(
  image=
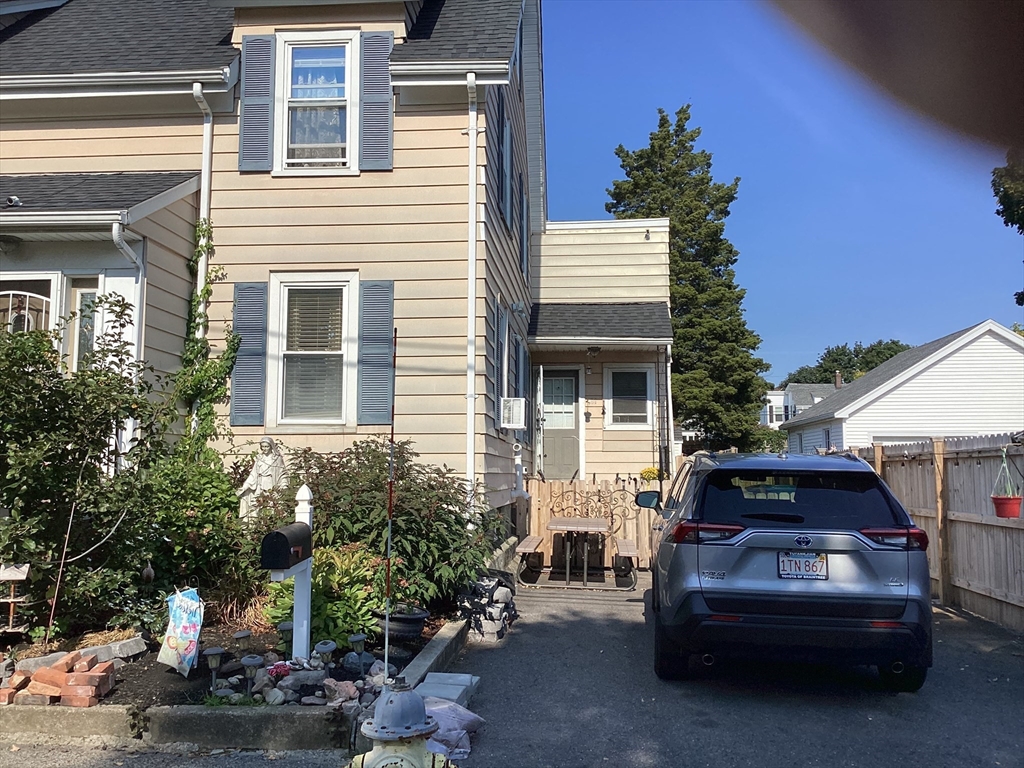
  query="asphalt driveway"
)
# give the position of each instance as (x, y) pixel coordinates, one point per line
(573, 687)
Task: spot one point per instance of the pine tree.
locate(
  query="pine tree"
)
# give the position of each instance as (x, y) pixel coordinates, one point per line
(716, 382)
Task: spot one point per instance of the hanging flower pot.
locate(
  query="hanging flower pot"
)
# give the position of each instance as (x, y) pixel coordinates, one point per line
(1007, 506)
(1006, 494)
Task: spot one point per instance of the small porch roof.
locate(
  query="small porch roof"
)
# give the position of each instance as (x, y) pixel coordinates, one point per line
(35, 205)
(627, 325)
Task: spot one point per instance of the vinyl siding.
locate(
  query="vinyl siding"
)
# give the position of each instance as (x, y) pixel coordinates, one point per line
(170, 243)
(609, 263)
(814, 436)
(975, 390)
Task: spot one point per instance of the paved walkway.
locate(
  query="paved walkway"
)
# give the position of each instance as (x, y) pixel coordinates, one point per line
(573, 687)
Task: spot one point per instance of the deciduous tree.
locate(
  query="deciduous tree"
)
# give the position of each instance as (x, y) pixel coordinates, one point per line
(1008, 187)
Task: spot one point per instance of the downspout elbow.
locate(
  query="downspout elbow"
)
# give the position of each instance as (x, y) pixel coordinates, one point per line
(117, 235)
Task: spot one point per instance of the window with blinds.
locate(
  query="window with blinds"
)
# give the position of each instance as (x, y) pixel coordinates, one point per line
(314, 371)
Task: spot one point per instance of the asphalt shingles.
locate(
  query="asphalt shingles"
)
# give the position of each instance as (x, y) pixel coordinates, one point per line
(639, 320)
(117, 36)
(462, 30)
(85, 191)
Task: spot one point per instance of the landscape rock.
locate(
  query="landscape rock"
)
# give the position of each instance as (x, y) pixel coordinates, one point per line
(291, 697)
(297, 679)
(258, 697)
(235, 679)
(101, 652)
(350, 708)
(224, 692)
(351, 662)
(31, 665)
(222, 685)
(378, 680)
(274, 697)
(234, 698)
(367, 699)
(313, 701)
(378, 669)
(341, 690)
(126, 649)
(271, 658)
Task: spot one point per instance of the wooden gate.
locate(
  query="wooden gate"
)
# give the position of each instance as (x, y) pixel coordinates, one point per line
(606, 499)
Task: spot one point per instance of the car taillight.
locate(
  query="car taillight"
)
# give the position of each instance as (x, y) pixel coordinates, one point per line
(692, 532)
(905, 538)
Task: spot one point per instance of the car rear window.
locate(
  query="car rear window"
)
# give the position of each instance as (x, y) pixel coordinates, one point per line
(794, 500)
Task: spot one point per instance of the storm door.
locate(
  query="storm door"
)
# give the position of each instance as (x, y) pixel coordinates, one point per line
(561, 426)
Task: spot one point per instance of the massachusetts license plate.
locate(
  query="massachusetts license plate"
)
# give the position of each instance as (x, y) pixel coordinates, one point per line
(803, 565)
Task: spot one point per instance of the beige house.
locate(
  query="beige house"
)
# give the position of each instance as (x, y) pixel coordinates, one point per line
(366, 167)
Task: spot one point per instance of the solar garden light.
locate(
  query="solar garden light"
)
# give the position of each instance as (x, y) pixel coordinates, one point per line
(244, 639)
(285, 630)
(358, 643)
(324, 649)
(213, 657)
(251, 664)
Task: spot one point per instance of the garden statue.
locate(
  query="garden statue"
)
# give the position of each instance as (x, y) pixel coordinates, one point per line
(268, 473)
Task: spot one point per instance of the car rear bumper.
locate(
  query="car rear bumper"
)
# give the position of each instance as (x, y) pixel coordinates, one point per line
(697, 629)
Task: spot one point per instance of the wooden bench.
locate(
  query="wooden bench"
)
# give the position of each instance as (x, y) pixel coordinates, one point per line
(529, 545)
(625, 547)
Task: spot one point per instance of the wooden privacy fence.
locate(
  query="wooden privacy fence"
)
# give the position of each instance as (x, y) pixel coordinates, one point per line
(606, 499)
(976, 559)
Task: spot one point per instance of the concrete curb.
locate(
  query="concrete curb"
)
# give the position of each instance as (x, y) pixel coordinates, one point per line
(439, 653)
(504, 555)
(112, 720)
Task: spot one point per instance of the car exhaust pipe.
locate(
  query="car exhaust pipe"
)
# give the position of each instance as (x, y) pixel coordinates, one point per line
(897, 667)
(708, 659)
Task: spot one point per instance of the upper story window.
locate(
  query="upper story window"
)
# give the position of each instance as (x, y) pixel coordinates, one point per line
(316, 103)
(316, 132)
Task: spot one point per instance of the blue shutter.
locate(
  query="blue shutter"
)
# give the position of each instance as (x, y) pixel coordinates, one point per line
(256, 110)
(376, 115)
(376, 342)
(249, 376)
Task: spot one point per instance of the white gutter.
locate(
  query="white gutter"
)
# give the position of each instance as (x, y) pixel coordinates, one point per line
(218, 75)
(473, 132)
(204, 191)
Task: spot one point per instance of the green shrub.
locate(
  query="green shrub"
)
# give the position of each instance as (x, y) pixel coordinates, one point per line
(341, 602)
(441, 538)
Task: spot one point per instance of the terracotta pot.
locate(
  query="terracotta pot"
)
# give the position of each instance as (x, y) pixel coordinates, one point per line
(1007, 506)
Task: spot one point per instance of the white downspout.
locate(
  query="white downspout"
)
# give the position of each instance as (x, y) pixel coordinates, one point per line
(204, 188)
(473, 132)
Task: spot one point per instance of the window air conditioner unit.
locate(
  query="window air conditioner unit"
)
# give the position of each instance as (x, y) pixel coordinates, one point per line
(513, 413)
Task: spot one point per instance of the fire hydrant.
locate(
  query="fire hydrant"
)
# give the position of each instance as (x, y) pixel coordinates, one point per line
(399, 730)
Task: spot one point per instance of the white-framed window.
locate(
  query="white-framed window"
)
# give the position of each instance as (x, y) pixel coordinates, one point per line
(313, 345)
(28, 301)
(82, 329)
(827, 438)
(316, 130)
(628, 396)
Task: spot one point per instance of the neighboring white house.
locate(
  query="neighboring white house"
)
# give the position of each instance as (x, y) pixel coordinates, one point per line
(773, 413)
(968, 383)
(802, 397)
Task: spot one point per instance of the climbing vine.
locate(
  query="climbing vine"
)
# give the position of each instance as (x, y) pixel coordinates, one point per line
(202, 382)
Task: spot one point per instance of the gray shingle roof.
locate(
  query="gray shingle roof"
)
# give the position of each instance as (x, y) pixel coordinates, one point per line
(806, 395)
(86, 191)
(641, 320)
(873, 379)
(118, 36)
(461, 30)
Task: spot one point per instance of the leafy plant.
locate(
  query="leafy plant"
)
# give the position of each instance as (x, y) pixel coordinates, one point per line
(341, 602)
(442, 536)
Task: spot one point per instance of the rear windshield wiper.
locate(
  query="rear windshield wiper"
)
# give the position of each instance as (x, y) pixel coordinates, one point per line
(775, 517)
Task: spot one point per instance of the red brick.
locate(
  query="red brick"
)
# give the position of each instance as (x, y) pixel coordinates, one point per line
(43, 689)
(79, 701)
(49, 676)
(93, 678)
(80, 690)
(67, 662)
(19, 680)
(106, 668)
(24, 697)
(87, 663)
(7, 695)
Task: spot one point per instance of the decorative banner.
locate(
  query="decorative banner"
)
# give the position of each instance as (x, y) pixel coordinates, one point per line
(180, 648)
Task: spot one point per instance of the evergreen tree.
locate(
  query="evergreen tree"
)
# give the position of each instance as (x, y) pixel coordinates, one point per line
(716, 382)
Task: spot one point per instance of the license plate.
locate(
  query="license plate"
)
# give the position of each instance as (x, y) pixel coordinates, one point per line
(803, 565)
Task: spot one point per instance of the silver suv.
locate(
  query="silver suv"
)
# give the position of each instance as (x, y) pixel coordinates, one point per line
(799, 557)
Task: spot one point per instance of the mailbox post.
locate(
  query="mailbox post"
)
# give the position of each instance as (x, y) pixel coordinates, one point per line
(288, 552)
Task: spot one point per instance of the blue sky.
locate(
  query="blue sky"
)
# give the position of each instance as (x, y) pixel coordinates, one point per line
(855, 220)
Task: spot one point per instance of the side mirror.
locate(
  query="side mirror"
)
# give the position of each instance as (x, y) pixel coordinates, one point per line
(648, 499)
